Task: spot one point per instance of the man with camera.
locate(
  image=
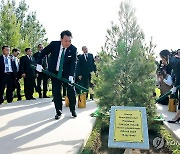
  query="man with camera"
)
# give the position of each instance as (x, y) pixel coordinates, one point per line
(174, 62)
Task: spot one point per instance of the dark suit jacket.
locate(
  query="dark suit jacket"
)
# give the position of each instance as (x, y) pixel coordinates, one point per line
(44, 61)
(174, 62)
(36, 55)
(85, 67)
(2, 66)
(16, 73)
(69, 58)
(25, 66)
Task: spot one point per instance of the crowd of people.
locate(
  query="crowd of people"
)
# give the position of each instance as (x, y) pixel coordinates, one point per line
(60, 57)
(76, 68)
(168, 75)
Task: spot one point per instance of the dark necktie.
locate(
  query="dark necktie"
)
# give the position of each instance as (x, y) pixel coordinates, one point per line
(61, 63)
(86, 57)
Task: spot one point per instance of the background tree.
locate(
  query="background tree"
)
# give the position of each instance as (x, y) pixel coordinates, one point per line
(9, 25)
(126, 75)
(19, 28)
(33, 31)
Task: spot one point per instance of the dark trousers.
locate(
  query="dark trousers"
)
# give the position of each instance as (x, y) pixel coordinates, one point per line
(64, 90)
(42, 77)
(7, 81)
(165, 101)
(18, 88)
(29, 85)
(177, 96)
(78, 91)
(56, 91)
(85, 82)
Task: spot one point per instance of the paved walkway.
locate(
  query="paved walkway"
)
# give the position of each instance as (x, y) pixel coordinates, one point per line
(173, 128)
(28, 127)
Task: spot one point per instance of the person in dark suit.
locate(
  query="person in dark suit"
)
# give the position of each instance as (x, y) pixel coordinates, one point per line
(78, 91)
(174, 62)
(62, 56)
(85, 67)
(28, 73)
(14, 55)
(41, 77)
(7, 69)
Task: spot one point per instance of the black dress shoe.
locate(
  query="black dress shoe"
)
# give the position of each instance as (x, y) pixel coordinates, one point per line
(174, 121)
(91, 96)
(57, 116)
(74, 114)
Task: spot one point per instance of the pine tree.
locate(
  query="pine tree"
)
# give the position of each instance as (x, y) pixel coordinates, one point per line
(126, 71)
(33, 31)
(9, 26)
(19, 29)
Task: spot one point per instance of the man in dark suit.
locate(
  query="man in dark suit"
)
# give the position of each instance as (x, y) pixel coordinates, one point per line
(41, 77)
(14, 55)
(85, 67)
(7, 69)
(174, 62)
(28, 73)
(62, 54)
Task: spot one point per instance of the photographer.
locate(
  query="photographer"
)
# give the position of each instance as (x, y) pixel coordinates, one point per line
(174, 62)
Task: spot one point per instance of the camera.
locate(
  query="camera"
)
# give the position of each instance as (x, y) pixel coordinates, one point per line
(173, 53)
(161, 69)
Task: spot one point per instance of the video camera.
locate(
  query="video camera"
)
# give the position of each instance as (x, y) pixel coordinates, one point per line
(161, 69)
(173, 53)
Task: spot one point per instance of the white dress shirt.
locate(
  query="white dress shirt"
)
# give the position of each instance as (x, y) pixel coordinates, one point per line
(30, 57)
(86, 56)
(7, 65)
(168, 80)
(59, 57)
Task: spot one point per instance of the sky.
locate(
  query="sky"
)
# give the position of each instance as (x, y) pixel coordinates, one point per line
(88, 20)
